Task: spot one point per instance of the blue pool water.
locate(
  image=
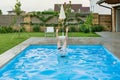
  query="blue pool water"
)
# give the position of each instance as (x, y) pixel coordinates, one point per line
(43, 62)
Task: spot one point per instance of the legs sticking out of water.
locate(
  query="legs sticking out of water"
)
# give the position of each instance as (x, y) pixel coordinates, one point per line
(62, 42)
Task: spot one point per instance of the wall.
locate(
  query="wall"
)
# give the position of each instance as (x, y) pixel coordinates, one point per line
(103, 19)
(7, 20)
(29, 27)
(10, 20)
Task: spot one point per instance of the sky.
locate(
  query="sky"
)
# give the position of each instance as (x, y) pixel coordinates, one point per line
(37, 5)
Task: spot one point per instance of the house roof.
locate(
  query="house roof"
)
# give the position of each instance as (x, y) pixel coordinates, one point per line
(75, 7)
(109, 1)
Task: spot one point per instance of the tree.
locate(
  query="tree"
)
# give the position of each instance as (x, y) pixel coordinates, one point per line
(67, 8)
(88, 22)
(17, 10)
(44, 16)
(78, 19)
(0, 12)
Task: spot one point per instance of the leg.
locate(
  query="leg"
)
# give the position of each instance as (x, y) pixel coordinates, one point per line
(65, 40)
(58, 40)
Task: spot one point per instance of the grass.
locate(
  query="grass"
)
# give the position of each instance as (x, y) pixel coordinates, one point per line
(83, 35)
(10, 40)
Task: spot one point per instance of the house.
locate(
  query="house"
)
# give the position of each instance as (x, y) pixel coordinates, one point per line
(74, 8)
(95, 8)
(115, 11)
(13, 12)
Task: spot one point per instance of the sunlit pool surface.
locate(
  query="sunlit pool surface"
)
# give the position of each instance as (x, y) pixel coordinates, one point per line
(43, 62)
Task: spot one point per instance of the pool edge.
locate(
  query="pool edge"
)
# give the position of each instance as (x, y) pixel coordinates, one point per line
(10, 54)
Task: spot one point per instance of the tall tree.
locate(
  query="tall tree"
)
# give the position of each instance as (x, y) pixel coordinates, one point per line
(17, 10)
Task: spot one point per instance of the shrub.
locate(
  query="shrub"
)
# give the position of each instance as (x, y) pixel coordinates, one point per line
(9, 29)
(88, 23)
(49, 12)
(36, 28)
(22, 29)
(84, 28)
(2, 30)
(72, 29)
(6, 29)
(97, 28)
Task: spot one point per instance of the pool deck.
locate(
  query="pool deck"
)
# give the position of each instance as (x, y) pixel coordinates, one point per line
(111, 40)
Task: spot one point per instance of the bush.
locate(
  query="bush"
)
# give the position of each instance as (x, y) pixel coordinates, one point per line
(2, 30)
(72, 29)
(6, 29)
(36, 28)
(61, 29)
(49, 12)
(22, 29)
(9, 29)
(97, 28)
(84, 28)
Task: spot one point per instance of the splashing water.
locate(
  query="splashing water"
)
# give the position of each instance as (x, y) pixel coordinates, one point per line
(83, 62)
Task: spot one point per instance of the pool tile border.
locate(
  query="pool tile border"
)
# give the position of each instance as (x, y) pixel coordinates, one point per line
(10, 54)
(111, 45)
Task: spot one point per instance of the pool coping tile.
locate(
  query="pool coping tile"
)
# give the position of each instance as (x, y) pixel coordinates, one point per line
(111, 44)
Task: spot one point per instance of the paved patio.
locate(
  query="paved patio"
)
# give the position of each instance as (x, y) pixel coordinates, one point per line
(110, 40)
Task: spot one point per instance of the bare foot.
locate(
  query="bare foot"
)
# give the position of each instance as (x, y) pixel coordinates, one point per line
(56, 30)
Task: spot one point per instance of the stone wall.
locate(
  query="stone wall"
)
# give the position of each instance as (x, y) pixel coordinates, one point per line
(10, 20)
(29, 27)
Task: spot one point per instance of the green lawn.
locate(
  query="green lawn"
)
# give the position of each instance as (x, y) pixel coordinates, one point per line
(9, 40)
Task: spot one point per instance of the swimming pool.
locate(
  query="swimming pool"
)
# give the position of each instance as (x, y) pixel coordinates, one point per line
(42, 62)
